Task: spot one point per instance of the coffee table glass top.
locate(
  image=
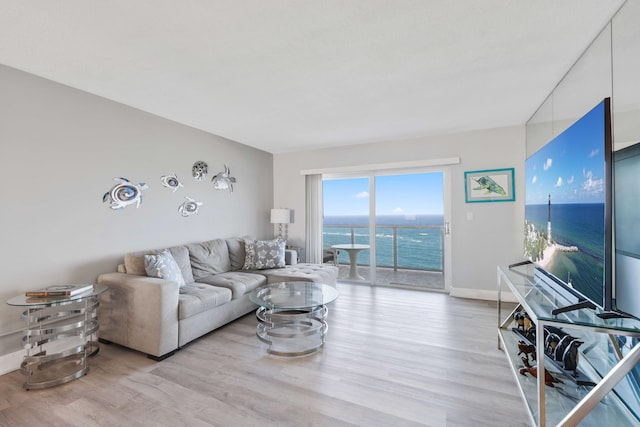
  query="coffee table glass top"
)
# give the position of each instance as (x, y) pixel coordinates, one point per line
(293, 295)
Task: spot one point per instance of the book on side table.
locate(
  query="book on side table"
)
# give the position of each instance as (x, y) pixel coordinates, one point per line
(60, 291)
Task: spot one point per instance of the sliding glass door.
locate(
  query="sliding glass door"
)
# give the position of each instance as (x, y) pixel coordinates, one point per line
(409, 216)
(397, 224)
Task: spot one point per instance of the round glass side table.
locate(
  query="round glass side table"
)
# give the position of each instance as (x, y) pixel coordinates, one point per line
(60, 334)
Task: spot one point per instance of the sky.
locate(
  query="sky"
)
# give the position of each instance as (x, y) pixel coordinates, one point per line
(570, 168)
(413, 194)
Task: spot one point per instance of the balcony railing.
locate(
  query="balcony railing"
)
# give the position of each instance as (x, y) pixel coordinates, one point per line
(418, 247)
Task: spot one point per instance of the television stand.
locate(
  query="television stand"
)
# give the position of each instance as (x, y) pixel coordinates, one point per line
(577, 306)
(589, 401)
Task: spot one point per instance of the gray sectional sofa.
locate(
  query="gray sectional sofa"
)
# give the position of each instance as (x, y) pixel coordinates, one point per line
(156, 316)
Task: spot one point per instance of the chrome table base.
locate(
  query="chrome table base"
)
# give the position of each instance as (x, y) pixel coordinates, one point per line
(292, 332)
(58, 339)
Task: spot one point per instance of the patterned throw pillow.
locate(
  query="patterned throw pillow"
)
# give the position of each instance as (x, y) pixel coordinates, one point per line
(263, 254)
(164, 266)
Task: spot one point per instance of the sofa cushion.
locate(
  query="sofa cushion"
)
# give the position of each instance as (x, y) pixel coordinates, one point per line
(134, 261)
(164, 266)
(236, 252)
(195, 298)
(207, 258)
(319, 273)
(263, 254)
(238, 282)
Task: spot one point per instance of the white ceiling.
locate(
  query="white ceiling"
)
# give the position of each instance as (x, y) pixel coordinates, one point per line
(288, 75)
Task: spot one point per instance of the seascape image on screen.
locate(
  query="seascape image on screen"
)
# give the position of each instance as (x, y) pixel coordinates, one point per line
(567, 206)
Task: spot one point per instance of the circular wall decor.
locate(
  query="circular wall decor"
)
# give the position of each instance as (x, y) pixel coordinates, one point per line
(200, 170)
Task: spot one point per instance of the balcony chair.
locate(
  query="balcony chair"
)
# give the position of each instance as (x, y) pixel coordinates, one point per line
(330, 256)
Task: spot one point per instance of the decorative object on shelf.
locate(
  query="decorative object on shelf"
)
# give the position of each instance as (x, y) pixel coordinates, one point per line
(560, 348)
(549, 379)
(551, 341)
(60, 291)
(496, 185)
(282, 217)
(522, 320)
(526, 349)
(570, 357)
(189, 207)
(223, 180)
(171, 181)
(124, 194)
(200, 170)
(524, 326)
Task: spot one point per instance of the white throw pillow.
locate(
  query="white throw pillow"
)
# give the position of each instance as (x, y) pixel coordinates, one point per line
(164, 266)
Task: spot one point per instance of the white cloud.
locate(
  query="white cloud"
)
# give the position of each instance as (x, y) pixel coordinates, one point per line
(594, 153)
(362, 195)
(559, 182)
(398, 210)
(570, 180)
(547, 164)
(593, 185)
(534, 179)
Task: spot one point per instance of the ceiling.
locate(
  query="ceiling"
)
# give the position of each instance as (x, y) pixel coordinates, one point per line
(290, 75)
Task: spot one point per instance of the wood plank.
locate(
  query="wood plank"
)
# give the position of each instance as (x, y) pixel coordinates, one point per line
(392, 357)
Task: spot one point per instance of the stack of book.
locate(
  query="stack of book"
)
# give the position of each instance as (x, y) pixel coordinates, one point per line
(57, 291)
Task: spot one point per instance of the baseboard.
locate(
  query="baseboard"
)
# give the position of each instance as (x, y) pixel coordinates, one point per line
(11, 362)
(481, 294)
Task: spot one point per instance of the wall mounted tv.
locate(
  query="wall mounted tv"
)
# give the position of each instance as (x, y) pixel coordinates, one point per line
(568, 208)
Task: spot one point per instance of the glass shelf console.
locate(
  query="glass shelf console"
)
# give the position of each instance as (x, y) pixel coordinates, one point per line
(604, 390)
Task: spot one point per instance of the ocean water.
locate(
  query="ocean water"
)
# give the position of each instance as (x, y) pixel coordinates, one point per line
(580, 225)
(418, 248)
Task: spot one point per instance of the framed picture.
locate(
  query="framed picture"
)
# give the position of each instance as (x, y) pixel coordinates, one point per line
(496, 185)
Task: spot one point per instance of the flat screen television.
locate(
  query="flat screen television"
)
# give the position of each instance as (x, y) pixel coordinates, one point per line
(627, 229)
(568, 209)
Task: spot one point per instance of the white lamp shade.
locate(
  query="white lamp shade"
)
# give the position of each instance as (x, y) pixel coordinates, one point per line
(280, 216)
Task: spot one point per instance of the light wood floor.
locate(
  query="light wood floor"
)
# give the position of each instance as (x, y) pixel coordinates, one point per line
(420, 279)
(392, 357)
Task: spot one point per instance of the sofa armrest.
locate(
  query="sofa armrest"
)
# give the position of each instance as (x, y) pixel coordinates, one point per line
(290, 257)
(139, 312)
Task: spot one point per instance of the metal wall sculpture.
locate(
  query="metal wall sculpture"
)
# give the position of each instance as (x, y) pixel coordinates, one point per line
(223, 180)
(124, 194)
(171, 181)
(200, 170)
(190, 207)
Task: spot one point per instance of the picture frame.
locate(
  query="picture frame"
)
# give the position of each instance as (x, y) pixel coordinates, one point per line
(491, 185)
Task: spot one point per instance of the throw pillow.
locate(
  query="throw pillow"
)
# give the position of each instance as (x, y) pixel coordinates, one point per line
(134, 261)
(164, 266)
(210, 257)
(263, 254)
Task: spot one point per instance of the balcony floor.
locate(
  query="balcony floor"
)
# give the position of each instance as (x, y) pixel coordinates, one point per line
(420, 279)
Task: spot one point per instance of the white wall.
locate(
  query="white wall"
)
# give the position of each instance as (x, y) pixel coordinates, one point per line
(60, 150)
(494, 236)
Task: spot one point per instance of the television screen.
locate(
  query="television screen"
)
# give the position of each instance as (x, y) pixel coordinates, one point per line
(568, 206)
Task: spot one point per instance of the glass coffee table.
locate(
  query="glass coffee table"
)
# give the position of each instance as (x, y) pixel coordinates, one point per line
(292, 316)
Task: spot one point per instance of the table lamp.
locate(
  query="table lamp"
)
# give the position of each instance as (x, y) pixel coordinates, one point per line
(282, 217)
